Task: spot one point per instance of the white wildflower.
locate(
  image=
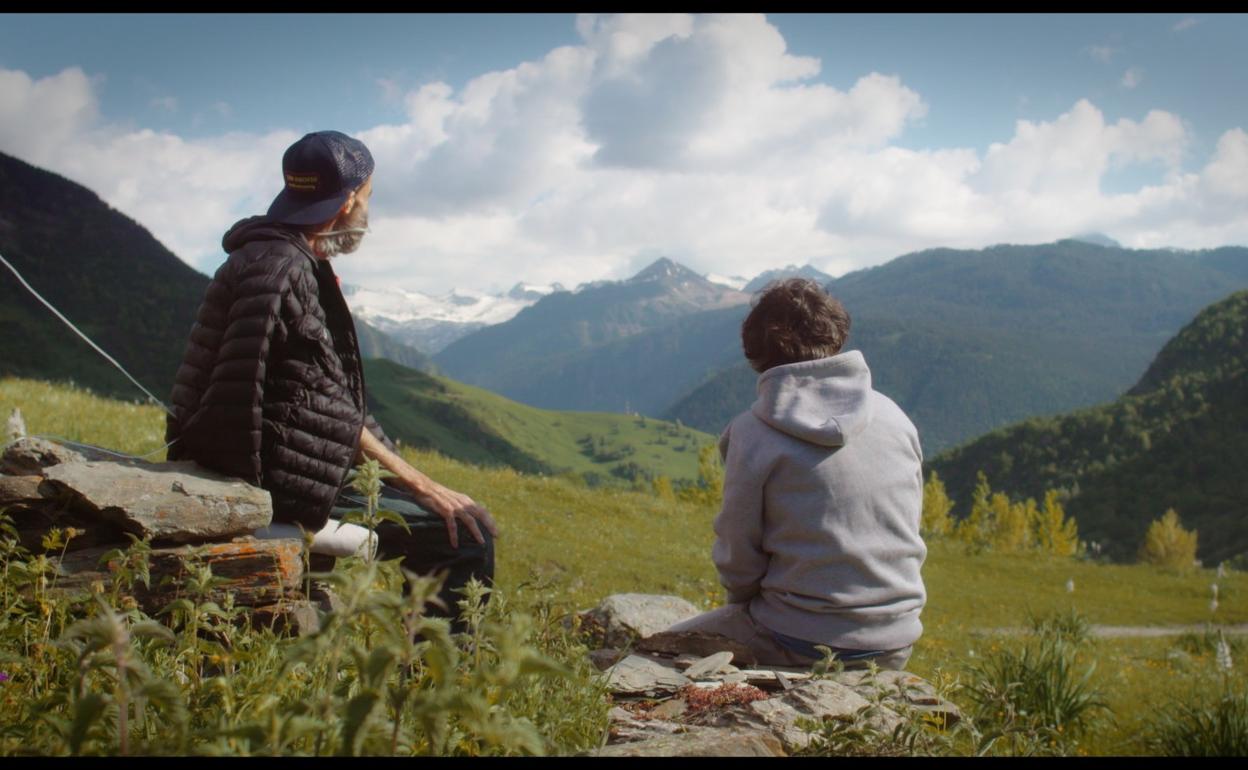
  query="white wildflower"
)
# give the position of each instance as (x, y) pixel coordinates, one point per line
(1224, 653)
(16, 427)
(1213, 605)
(1221, 569)
(1214, 587)
(1070, 585)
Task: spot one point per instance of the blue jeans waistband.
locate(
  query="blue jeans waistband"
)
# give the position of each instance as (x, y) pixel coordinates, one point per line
(807, 649)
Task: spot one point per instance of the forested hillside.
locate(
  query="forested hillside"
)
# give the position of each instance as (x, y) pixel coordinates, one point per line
(1177, 440)
(106, 273)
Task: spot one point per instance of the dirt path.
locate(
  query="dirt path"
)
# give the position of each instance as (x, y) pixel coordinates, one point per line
(1113, 632)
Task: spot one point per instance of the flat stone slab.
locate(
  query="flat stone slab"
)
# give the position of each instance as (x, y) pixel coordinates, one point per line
(637, 675)
(179, 502)
(775, 679)
(711, 664)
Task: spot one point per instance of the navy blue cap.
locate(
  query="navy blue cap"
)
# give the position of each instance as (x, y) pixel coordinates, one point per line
(321, 171)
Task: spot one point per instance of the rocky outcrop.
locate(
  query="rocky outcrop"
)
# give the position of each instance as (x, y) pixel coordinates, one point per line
(675, 695)
(80, 511)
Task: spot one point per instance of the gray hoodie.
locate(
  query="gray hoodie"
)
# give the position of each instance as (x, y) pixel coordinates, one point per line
(823, 491)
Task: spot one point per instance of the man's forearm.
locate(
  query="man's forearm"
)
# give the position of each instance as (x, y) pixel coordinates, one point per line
(371, 447)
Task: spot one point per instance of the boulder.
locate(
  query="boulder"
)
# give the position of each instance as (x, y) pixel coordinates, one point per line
(176, 502)
(622, 618)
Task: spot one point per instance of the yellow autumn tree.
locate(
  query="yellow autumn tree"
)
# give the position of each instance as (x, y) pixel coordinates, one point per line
(1011, 523)
(936, 521)
(1055, 533)
(710, 487)
(1167, 544)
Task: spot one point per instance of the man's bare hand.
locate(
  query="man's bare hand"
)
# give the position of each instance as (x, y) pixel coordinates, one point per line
(453, 507)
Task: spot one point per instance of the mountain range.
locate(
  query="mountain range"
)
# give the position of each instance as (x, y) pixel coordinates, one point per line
(558, 354)
(430, 323)
(964, 340)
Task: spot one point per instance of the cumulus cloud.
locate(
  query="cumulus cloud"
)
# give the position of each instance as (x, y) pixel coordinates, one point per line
(698, 137)
(41, 118)
(1132, 77)
(185, 192)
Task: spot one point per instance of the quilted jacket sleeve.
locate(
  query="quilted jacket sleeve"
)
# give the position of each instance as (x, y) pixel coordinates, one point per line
(224, 431)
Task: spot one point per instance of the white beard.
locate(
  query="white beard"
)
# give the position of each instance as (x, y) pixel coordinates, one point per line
(348, 237)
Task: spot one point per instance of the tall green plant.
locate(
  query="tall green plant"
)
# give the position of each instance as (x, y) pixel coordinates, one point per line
(1035, 698)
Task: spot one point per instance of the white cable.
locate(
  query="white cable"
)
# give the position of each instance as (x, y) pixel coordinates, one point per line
(70, 324)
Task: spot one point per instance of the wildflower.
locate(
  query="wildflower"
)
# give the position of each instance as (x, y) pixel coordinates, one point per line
(1070, 585)
(1213, 605)
(1224, 653)
(4, 677)
(1221, 569)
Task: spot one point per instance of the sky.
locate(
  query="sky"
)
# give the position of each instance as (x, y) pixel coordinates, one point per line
(563, 148)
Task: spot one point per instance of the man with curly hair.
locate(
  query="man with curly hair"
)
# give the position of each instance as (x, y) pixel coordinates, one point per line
(818, 540)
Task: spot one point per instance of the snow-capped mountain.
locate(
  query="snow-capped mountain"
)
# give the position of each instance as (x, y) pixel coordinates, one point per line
(430, 323)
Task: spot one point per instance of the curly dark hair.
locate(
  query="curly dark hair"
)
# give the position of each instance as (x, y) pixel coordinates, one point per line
(793, 320)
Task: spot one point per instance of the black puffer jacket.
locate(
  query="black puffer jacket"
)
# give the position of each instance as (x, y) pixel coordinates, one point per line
(271, 389)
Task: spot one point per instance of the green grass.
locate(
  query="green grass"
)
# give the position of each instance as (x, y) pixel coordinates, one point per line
(477, 426)
(588, 543)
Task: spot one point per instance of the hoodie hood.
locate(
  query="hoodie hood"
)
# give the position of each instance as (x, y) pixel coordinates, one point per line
(261, 229)
(826, 401)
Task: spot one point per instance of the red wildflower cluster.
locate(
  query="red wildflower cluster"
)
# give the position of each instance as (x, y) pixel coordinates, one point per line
(701, 699)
